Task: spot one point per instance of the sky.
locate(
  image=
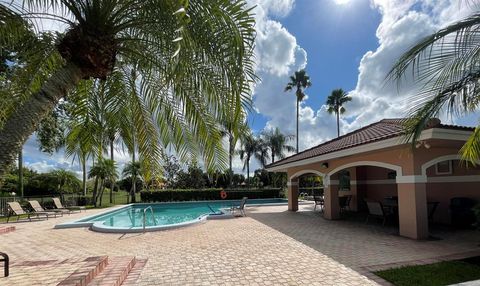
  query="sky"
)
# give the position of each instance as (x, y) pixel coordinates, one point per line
(348, 44)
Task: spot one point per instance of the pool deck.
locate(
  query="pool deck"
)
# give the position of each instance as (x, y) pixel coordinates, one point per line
(269, 247)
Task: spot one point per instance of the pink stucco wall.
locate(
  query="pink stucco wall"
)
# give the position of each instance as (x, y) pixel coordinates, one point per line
(442, 192)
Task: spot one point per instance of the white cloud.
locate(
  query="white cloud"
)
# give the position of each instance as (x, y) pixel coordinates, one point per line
(403, 24)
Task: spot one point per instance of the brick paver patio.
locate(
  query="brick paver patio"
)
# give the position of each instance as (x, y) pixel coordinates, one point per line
(269, 247)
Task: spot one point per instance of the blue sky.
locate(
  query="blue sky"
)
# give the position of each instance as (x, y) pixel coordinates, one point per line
(335, 38)
(349, 44)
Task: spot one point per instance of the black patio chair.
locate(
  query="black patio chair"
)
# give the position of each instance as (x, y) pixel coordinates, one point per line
(376, 209)
(319, 201)
(6, 261)
(431, 207)
(344, 203)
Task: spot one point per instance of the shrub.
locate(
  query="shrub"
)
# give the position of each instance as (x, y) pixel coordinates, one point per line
(206, 194)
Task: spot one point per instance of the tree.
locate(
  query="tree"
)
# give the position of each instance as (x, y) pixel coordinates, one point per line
(65, 179)
(299, 81)
(188, 56)
(335, 102)
(171, 167)
(277, 143)
(252, 147)
(133, 171)
(105, 170)
(445, 66)
(234, 130)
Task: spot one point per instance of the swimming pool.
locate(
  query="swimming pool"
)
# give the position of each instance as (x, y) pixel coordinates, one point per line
(160, 216)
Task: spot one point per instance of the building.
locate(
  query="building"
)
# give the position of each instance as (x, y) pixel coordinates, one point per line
(377, 162)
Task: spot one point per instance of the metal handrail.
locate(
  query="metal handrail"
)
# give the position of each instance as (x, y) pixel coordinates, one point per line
(145, 216)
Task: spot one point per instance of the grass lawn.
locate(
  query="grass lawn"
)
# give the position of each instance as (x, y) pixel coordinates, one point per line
(442, 273)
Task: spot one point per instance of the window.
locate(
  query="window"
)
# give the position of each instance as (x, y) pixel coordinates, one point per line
(443, 168)
(344, 180)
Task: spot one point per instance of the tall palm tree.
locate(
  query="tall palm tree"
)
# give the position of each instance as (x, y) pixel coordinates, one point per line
(335, 102)
(299, 81)
(194, 54)
(445, 66)
(233, 129)
(277, 143)
(252, 147)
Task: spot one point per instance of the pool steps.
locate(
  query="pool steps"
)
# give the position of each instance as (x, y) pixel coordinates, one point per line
(106, 271)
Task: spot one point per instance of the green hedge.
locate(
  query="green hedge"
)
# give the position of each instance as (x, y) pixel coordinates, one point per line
(206, 194)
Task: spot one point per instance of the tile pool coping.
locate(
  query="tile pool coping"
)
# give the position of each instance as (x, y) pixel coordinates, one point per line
(100, 227)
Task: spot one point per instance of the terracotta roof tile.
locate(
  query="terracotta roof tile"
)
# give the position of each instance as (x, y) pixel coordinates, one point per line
(384, 129)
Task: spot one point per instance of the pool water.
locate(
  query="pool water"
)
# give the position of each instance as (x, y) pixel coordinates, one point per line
(163, 215)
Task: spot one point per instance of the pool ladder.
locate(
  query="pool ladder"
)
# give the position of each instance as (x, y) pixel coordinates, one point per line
(145, 216)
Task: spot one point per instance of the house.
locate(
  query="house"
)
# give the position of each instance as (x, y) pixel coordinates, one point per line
(377, 162)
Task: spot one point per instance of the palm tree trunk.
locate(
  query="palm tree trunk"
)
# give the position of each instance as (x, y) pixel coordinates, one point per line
(230, 158)
(298, 102)
(273, 156)
(102, 189)
(338, 124)
(133, 191)
(94, 195)
(112, 184)
(84, 175)
(23, 122)
(248, 172)
(20, 172)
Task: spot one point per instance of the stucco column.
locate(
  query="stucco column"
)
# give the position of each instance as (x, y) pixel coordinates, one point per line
(293, 195)
(332, 208)
(412, 210)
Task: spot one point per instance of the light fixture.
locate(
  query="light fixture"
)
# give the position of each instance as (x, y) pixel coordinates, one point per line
(422, 143)
(324, 165)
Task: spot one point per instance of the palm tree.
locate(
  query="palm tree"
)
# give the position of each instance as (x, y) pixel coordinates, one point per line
(335, 102)
(277, 143)
(187, 58)
(65, 179)
(105, 170)
(252, 147)
(445, 65)
(299, 81)
(133, 170)
(234, 129)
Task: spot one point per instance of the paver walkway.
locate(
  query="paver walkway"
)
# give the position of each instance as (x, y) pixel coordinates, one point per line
(269, 247)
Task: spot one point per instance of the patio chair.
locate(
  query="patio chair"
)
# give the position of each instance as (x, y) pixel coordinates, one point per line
(319, 201)
(344, 203)
(431, 208)
(37, 208)
(6, 261)
(59, 206)
(376, 209)
(17, 210)
(240, 207)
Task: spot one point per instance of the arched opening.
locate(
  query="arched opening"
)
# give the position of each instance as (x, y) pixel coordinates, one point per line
(359, 186)
(305, 185)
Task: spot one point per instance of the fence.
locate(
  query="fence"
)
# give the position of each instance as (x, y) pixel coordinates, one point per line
(310, 191)
(4, 206)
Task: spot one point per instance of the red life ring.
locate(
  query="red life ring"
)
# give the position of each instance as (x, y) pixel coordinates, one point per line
(223, 195)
